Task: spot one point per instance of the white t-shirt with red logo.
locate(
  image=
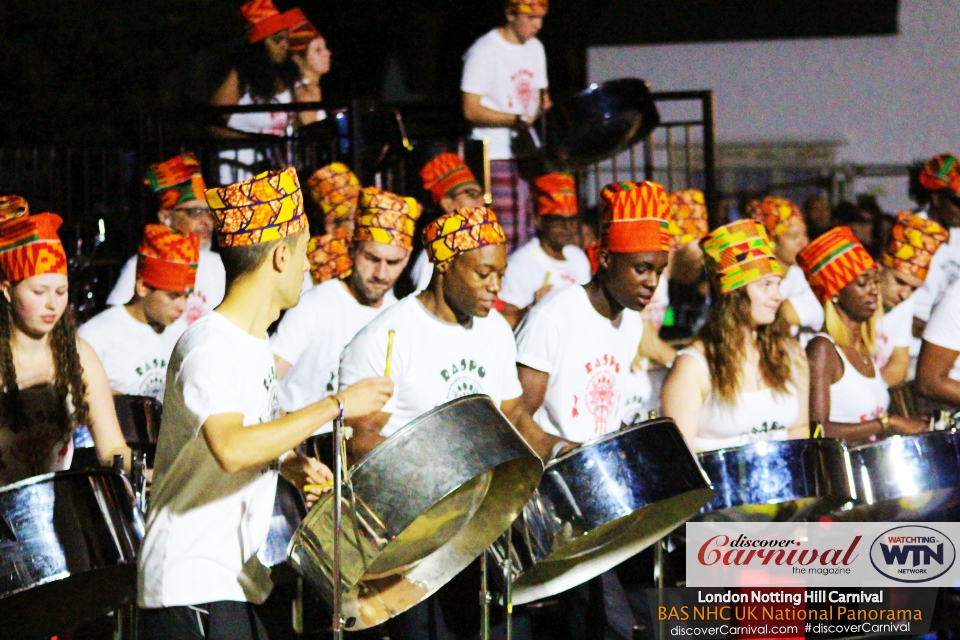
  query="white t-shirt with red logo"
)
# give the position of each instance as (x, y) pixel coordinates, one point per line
(895, 329)
(529, 265)
(210, 287)
(508, 77)
(943, 329)
(587, 358)
(433, 361)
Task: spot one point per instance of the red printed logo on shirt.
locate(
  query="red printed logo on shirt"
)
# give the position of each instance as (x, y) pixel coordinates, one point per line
(523, 89)
(196, 306)
(602, 397)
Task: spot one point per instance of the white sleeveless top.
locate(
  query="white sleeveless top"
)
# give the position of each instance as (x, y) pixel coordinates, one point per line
(272, 122)
(756, 416)
(855, 398)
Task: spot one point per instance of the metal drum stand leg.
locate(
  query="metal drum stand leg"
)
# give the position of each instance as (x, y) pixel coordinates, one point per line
(340, 436)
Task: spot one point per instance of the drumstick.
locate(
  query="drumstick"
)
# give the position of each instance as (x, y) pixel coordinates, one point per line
(321, 487)
(386, 372)
(546, 280)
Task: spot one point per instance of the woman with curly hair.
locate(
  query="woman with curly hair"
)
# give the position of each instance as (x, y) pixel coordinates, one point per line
(744, 378)
(848, 395)
(52, 380)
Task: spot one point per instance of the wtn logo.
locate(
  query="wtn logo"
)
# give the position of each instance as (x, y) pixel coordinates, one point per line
(912, 554)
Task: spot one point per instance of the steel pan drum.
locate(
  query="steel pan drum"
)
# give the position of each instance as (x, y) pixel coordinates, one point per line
(427, 502)
(777, 480)
(602, 503)
(905, 478)
(68, 544)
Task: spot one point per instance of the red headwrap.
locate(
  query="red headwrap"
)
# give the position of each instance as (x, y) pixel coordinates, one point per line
(634, 217)
(941, 172)
(167, 259)
(263, 19)
(833, 261)
(176, 180)
(556, 194)
(445, 173)
(30, 246)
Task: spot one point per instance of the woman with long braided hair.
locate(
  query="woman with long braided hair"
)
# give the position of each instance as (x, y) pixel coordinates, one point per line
(52, 381)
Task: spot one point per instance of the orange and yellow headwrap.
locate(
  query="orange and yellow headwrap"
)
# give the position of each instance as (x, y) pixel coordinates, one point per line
(386, 218)
(556, 195)
(176, 180)
(534, 7)
(167, 259)
(688, 216)
(833, 261)
(263, 19)
(264, 208)
(13, 206)
(739, 253)
(941, 172)
(30, 246)
(461, 230)
(634, 217)
(329, 256)
(913, 241)
(335, 190)
(776, 215)
(302, 31)
(445, 173)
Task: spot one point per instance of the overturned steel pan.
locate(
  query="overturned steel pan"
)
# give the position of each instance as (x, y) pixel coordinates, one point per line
(68, 545)
(418, 509)
(906, 478)
(598, 122)
(777, 480)
(600, 504)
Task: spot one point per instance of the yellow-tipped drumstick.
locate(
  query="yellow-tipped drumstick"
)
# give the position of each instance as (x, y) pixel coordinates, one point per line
(322, 487)
(546, 280)
(390, 335)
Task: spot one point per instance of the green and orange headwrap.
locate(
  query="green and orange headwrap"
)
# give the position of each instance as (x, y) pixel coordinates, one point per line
(329, 256)
(833, 261)
(445, 173)
(556, 195)
(634, 217)
(688, 216)
(941, 172)
(167, 259)
(30, 246)
(13, 206)
(335, 190)
(534, 7)
(461, 230)
(264, 208)
(913, 241)
(739, 253)
(386, 218)
(176, 180)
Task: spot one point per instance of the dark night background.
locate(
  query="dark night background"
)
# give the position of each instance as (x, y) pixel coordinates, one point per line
(83, 69)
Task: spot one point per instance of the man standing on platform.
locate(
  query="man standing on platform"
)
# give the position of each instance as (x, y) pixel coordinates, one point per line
(504, 88)
(135, 340)
(178, 185)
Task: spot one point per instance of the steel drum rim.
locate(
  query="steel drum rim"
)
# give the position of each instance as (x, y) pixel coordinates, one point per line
(19, 484)
(901, 437)
(773, 443)
(604, 438)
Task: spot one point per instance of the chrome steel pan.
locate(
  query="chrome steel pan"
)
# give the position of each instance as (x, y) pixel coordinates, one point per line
(427, 502)
(68, 545)
(600, 504)
(778, 480)
(906, 478)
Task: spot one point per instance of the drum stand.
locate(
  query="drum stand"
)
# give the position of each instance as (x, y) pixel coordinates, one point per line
(340, 436)
(486, 597)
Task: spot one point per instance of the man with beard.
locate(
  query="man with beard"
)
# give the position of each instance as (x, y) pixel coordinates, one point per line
(312, 335)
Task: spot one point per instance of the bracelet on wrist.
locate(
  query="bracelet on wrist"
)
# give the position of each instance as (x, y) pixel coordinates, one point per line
(884, 420)
(340, 406)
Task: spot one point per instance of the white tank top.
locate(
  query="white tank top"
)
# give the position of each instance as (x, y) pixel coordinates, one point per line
(854, 397)
(272, 122)
(755, 416)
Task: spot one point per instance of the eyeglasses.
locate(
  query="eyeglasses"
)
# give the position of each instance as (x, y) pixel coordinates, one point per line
(196, 212)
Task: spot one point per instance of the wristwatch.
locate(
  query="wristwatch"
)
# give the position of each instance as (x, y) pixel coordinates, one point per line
(884, 422)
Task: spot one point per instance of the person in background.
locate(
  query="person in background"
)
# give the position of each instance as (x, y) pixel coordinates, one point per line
(308, 50)
(913, 242)
(134, 341)
(859, 221)
(335, 189)
(788, 232)
(312, 335)
(750, 376)
(938, 368)
(816, 213)
(53, 381)
(178, 186)
(848, 396)
(552, 260)
(452, 185)
(504, 88)
(935, 187)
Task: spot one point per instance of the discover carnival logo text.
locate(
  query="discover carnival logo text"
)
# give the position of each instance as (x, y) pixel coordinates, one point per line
(834, 554)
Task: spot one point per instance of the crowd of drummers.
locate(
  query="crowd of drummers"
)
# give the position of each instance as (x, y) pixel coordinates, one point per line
(259, 311)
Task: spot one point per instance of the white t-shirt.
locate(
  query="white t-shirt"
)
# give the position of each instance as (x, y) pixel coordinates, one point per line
(312, 336)
(943, 329)
(587, 358)
(205, 525)
(210, 287)
(433, 361)
(944, 271)
(795, 288)
(508, 77)
(133, 354)
(895, 329)
(528, 266)
(421, 273)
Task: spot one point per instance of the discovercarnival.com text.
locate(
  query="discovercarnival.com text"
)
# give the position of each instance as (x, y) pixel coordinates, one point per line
(794, 630)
